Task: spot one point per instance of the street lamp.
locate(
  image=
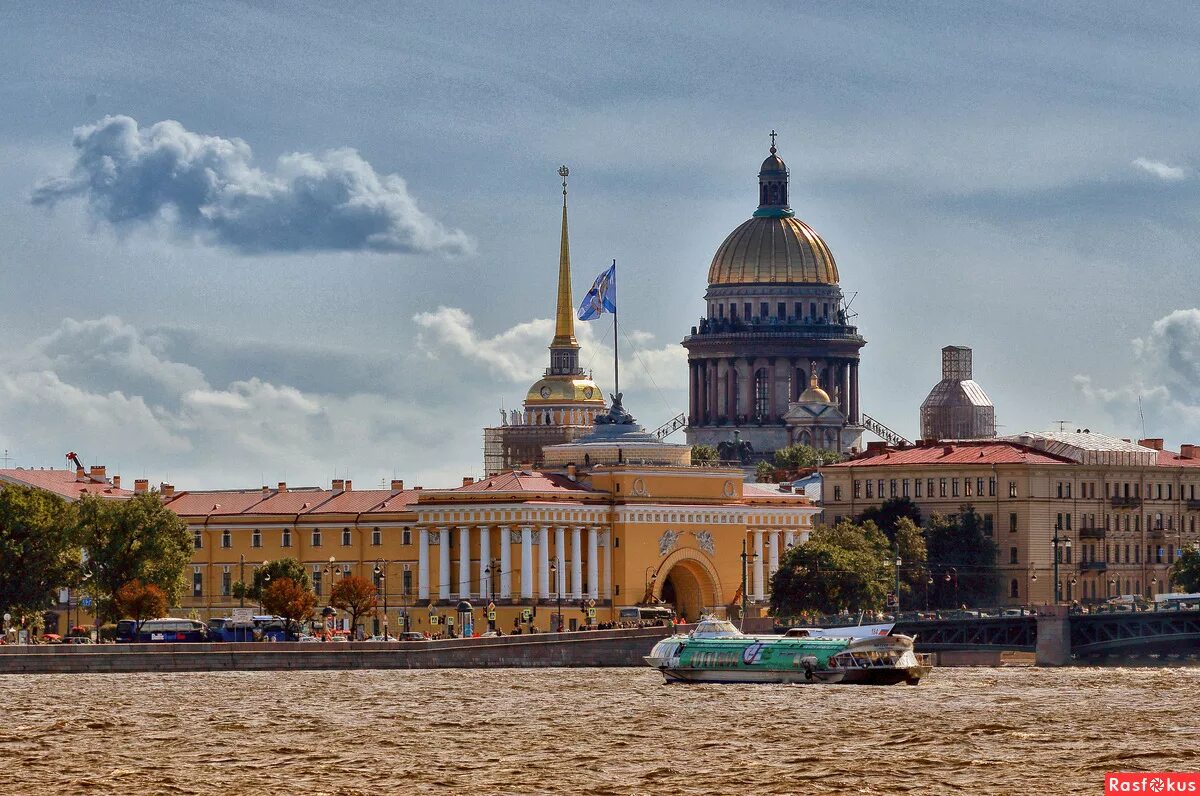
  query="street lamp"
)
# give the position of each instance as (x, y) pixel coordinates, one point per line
(928, 583)
(492, 570)
(381, 574)
(746, 556)
(952, 573)
(1056, 541)
(558, 593)
(898, 563)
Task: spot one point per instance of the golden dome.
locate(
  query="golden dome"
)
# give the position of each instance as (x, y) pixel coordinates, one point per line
(559, 389)
(814, 394)
(773, 250)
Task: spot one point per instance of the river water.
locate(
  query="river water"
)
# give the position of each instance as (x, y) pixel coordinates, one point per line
(603, 731)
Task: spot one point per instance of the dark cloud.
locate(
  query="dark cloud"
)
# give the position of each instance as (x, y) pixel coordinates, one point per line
(208, 187)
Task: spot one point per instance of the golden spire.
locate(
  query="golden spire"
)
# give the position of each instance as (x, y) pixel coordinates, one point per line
(564, 322)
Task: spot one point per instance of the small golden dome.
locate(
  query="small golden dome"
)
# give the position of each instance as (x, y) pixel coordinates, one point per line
(559, 389)
(773, 250)
(814, 394)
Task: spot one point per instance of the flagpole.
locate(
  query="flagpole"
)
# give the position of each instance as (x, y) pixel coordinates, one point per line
(616, 343)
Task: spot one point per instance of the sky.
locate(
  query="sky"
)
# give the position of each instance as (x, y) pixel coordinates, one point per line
(243, 243)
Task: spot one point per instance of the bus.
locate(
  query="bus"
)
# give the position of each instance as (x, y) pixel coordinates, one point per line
(260, 628)
(654, 613)
(172, 630)
(1176, 601)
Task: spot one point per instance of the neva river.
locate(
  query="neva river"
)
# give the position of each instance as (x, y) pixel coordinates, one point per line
(604, 731)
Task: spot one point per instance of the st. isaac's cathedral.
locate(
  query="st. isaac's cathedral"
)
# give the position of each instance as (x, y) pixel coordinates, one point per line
(774, 361)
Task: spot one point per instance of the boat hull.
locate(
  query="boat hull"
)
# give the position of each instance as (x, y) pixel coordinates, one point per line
(875, 676)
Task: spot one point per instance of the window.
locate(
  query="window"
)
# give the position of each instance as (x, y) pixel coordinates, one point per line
(376, 537)
(991, 487)
(226, 582)
(316, 580)
(1068, 489)
(941, 487)
(987, 524)
(1058, 522)
(197, 582)
(406, 538)
(1012, 489)
(917, 483)
(1012, 522)
(967, 486)
(761, 393)
(929, 487)
(905, 485)
(1068, 521)
(893, 487)
(226, 539)
(782, 310)
(746, 310)
(979, 487)
(762, 310)
(880, 485)
(870, 488)
(198, 540)
(316, 537)
(256, 538)
(345, 537)
(733, 312)
(286, 541)
(1014, 588)
(799, 310)
(1012, 555)
(857, 488)
(837, 492)
(954, 487)
(407, 581)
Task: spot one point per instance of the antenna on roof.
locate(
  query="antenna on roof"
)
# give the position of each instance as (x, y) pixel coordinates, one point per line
(1142, 417)
(5, 458)
(1062, 424)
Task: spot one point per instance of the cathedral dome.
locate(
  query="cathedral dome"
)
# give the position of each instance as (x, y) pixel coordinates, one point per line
(773, 250)
(552, 390)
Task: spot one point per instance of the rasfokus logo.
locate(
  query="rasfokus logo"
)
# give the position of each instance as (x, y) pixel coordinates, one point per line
(1151, 782)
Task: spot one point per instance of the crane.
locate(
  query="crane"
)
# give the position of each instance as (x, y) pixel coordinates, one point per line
(74, 459)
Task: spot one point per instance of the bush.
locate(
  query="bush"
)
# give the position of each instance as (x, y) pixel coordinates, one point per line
(108, 632)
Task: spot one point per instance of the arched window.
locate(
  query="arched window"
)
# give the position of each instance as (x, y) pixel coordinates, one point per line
(761, 393)
(1014, 588)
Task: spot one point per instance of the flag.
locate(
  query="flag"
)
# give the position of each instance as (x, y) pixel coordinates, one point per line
(602, 297)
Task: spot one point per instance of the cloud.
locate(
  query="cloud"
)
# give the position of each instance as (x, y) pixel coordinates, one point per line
(208, 188)
(1160, 170)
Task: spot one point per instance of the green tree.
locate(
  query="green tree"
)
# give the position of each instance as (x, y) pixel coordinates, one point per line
(962, 560)
(134, 539)
(840, 568)
(889, 513)
(705, 454)
(1185, 572)
(910, 541)
(39, 553)
(278, 569)
(357, 596)
(289, 599)
(139, 602)
(796, 457)
(764, 473)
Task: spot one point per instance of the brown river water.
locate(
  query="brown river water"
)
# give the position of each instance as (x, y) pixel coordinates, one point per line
(596, 731)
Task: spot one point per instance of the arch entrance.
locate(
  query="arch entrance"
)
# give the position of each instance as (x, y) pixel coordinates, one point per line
(689, 583)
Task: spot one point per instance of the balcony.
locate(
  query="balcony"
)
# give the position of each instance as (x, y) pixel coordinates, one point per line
(1155, 533)
(1193, 504)
(1091, 533)
(1093, 566)
(1126, 502)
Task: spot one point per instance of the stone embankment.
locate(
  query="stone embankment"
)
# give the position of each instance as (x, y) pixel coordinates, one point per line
(588, 648)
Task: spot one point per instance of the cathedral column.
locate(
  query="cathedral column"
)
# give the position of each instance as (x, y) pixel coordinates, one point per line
(443, 563)
(693, 394)
(795, 381)
(722, 373)
(844, 399)
(423, 564)
(747, 408)
(464, 562)
(854, 392)
(714, 392)
(772, 411)
(544, 563)
(505, 562)
(757, 594)
(576, 562)
(593, 562)
(485, 560)
(526, 562)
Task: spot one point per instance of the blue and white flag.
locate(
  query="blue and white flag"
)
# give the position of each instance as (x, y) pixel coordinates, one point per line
(602, 297)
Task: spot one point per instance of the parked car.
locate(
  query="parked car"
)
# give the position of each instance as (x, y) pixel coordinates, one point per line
(414, 636)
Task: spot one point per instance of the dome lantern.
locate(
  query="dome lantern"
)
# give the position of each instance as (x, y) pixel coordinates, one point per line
(773, 186)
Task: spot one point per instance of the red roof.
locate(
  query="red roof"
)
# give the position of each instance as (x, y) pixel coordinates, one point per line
(522, 481)
(193, 504)
(63, 482)
(956, 454)
(1172, 459)
(299, 501)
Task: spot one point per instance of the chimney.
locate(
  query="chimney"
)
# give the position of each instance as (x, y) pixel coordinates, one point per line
(80, 473)
(468, 480)
(97, 473)
(349, 485)
(338, 485)
(141, 485)
(283, 486)
(1189, 452)
(418, 488)
(571, 471)
(397, 484)
(947, 450)
(116, 481)
(1153, 442)
(875, 448)
(266, 491)
(166, 490)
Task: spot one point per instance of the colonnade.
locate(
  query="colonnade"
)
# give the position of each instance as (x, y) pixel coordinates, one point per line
(723, 388)
(766, 548)
(569, 554)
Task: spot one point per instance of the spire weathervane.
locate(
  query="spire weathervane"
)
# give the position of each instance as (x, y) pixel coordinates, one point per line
(773, 134)
(563, 171)
(564, 325)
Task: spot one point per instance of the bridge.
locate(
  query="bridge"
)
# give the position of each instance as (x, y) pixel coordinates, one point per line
(1058, 637)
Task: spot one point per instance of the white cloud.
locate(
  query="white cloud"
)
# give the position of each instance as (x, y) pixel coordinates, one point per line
(207, 187)
(1160, 170)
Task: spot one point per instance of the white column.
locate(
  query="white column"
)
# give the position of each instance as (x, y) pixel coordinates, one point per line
(485, 561)
(505, 562)
(443, 563)
(560, 544)
(773, 554)
(789, 540)
(576, 563)
(758, 565)
(593, 562)
(464, 562)
(526, 563)
(544, 563)
(608, 546)
(423, 564)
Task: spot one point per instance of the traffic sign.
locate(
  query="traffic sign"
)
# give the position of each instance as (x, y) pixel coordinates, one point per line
(86, 602)
(526, 614)
(242, 616)
(450, 620)
(591, 603)
(491, 606)
(491, 616)
(591, 612)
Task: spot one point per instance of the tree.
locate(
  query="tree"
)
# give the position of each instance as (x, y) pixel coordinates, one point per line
(887, 515)
(38, 549)
(278, 569)
(134, 539)
(287, 598)
(355, 595)
(704, 454)
(1185, 572)
(839, 568)
(962, 560)
(764, 473)
(910, 541)
(140, 601)
(797, 457)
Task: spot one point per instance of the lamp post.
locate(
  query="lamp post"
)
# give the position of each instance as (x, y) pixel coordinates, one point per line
(1056, 541)
(928, 583)
(952, 573)
(381, 574)
(558, 624)
(898, 563)
(1030, 578)
(492, 570)
(242, 578)
(746, 557)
